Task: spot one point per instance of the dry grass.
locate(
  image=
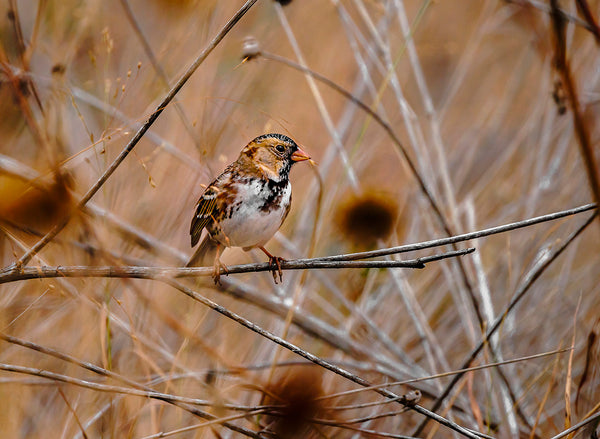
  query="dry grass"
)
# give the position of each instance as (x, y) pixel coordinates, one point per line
(470, 97)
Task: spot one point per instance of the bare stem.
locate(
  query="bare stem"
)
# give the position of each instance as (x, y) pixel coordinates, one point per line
(461, 238)
(171, 272)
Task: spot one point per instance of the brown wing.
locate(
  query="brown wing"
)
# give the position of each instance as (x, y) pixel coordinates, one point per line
(205, 212)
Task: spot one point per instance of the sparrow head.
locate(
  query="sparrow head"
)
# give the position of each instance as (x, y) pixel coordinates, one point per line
(273, 155)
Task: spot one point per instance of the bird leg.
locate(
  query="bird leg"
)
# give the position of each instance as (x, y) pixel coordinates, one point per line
(275, 262)
(217, 267)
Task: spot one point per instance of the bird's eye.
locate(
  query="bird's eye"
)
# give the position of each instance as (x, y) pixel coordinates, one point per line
(280, 148)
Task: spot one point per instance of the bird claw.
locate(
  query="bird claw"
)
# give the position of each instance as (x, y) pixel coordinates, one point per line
(275, 262)
(217, 272)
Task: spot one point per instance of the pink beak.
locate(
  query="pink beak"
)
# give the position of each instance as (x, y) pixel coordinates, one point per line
(299, 155)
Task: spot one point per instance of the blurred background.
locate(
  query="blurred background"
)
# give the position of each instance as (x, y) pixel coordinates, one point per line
(470, 90)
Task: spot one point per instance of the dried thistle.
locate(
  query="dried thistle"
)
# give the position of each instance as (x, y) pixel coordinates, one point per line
(365, 219)
(295, 392)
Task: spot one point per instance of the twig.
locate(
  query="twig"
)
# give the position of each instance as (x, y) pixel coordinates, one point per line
(116, 389)
(323, 111)
(543, 400)
(23, 53)
(577, 426)
(569, 372)
(365, 432)
(140, 133)
(530, 279)
(444, 374)
(215, 421)
(122, 390)
(162, 272)
(73, 412)
(13, 15)
(384, 124)
(460, 238)
(159, 70)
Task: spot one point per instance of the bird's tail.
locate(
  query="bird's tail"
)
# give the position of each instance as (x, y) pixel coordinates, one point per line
(205, 253)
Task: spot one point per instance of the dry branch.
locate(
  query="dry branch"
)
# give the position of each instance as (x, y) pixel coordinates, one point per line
(463, 237)
(25, 273)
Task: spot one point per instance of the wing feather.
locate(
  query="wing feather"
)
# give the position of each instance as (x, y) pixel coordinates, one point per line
(205, 213)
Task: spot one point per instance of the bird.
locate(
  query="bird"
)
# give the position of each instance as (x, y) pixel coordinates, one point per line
(248, 202)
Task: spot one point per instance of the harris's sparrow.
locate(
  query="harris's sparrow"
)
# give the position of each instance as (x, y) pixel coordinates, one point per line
(248, 202)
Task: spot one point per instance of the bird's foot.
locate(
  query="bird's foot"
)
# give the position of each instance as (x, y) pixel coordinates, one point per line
(275, 262)
(217, 271)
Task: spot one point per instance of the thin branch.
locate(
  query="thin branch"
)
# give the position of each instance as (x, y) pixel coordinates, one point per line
(577, 426)
(442, 375)
(22, 49)
(460, 238)
(364, 432)
(162, 272)
(125, 391)
(73, 412)
(159, 70)
(215, 421)
(117, 389)
(140, 133)
(13, 15)
(319, 101)
(384, 124)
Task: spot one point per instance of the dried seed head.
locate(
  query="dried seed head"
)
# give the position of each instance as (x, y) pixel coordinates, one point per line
(365, 219)
(36, 206)
(296, 390)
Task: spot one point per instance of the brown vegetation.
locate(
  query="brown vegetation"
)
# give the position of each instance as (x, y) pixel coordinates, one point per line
(474, 127)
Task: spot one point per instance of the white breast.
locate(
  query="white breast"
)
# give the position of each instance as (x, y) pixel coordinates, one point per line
(250, 225)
